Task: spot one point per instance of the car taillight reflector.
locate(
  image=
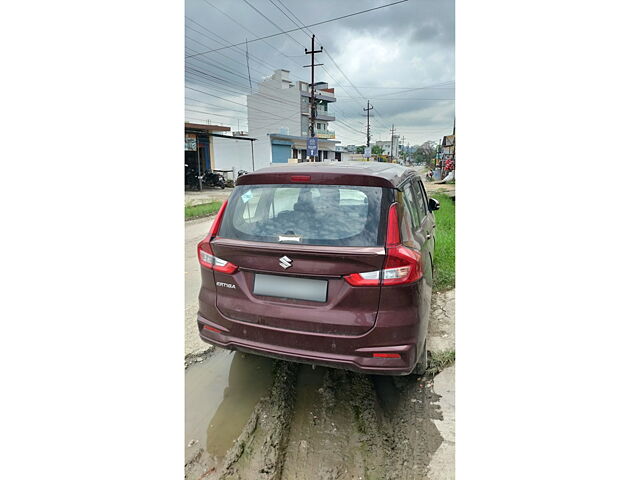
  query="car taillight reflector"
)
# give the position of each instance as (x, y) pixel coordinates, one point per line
(402, 264)
(206, 257)
(207, 327)
(208, 260)
(364, 279)
(223, 266)
(386, 355)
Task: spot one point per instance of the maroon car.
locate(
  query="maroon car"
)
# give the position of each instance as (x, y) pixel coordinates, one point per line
(322, 263)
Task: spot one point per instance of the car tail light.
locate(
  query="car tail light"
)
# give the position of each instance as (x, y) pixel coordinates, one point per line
(401, 266)
(206, 257)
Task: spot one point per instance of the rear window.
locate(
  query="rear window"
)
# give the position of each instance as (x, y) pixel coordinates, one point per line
(342, 215)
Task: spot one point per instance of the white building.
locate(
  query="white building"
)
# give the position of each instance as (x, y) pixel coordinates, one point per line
(390, 147)
(279, 118)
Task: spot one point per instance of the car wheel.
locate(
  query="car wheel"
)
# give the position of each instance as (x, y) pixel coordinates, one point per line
(422, 363)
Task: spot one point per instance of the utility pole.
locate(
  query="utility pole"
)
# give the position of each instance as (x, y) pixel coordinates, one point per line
(246, 46)
(369, 107)
(312, 52)
(393, 129)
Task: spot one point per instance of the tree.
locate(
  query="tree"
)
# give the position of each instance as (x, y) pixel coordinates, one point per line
(377, 150)
(360, 149)
(426, 153)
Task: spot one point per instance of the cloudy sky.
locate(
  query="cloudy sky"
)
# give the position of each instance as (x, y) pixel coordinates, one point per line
(401, 58)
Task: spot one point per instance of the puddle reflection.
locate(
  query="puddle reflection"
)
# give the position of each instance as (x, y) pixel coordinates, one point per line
(221, 393)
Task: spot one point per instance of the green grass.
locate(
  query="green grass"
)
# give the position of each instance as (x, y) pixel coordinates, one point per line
(202, 209)
(445, 253)
(438, 361)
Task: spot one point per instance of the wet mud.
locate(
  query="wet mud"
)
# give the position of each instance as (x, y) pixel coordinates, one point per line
(222, 391)
(252, 418)
(317, 423)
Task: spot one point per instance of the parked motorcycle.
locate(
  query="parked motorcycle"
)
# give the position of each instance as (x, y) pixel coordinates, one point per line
(242, 172)
(213, 179)
(191, 178)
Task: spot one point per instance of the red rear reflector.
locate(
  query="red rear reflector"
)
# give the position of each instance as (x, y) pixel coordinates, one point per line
(386, 355)
(207, 327)
(300, 178)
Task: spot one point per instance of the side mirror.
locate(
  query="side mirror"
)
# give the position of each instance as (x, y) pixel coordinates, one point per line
(434, 204)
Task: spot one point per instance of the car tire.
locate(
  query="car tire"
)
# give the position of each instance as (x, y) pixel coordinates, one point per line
(422, 363)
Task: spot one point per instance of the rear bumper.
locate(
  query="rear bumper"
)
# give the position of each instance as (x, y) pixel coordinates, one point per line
(339, 351)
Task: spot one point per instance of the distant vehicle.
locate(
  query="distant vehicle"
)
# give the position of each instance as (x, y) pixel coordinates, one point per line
(328, 264)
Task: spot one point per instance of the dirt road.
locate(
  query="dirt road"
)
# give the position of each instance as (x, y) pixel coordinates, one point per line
(194, 231)
(207, 195)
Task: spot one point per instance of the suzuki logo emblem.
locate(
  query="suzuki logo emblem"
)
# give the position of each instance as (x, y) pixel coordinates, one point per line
(285, 262)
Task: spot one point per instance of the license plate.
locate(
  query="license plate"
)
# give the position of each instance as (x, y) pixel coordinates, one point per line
(290, 287)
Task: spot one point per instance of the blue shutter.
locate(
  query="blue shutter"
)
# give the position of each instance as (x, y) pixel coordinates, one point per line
(280, 153)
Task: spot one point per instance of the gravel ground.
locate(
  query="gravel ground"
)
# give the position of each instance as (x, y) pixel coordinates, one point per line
(206, 196)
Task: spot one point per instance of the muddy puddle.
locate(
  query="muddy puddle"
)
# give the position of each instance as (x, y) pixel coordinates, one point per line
(258, 419)
(221, 393)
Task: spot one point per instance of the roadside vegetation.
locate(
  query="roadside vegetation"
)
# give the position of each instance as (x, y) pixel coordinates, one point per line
(438, 361)
(445, 253)
(202, 210)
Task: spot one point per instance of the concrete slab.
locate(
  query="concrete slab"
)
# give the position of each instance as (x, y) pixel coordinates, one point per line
(442, 465)
(442, 322)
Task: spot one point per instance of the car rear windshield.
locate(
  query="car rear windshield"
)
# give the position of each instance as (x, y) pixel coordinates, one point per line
(342, 215)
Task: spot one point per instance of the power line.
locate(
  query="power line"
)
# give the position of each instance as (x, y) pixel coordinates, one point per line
(309, 33)
(272, 23)
(300, 28)
(238, 91)
(265, 66)
(245, 29)
(407, 99)
(336, 65)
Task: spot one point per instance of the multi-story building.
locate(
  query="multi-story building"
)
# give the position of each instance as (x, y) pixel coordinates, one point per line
(390, 147)
(279, 117)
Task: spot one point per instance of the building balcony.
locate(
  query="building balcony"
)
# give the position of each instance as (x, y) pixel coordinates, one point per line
(320, 95)
(326, 115)
(325, 134)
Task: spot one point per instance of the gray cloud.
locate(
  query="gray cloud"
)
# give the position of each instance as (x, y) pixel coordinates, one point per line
(406, 45)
